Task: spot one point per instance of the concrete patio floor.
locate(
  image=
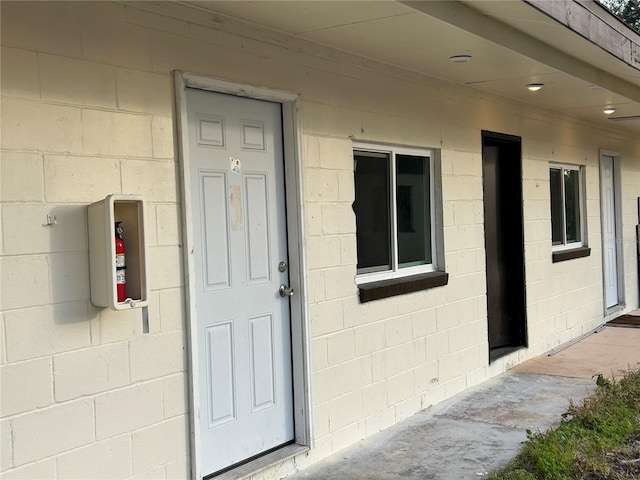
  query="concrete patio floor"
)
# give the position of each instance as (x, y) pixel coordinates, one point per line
(480, 430)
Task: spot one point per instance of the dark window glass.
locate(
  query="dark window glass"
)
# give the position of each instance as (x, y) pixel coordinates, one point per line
(572, 204)
(557, 207)
(412, 210)
(373, 225)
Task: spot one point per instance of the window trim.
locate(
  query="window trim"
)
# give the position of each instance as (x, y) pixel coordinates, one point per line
(581, 201)
(390, 288)
(396, 272)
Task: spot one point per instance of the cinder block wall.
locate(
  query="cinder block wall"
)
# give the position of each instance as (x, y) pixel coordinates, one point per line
(87, 111)
(84, 393)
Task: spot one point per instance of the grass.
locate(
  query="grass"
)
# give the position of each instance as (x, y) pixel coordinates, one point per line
(597, 439)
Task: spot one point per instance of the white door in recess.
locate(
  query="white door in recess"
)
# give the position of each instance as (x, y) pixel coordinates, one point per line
(609, 234)
(239, 226)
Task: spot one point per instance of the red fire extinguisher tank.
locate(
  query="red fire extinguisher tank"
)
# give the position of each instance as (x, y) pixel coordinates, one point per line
(120, 264)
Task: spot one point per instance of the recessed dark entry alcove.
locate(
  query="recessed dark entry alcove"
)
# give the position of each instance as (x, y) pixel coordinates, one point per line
(504, 243)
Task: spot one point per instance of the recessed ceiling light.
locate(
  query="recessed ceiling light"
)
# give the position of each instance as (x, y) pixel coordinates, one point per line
(534, 87)
(609, 110)
(460, 58)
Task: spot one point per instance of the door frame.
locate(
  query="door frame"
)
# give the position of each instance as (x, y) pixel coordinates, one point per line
(520, 335)
(300, 350)
(617, 192)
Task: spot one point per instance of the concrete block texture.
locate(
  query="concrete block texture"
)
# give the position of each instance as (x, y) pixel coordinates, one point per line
(50, 329)
(129, 409)
(179, 469)
(369, 338)
(43, 27)
(86, 372)
(175, 395)
(168, 224)
(105, 460)
(341, 409)
(341, 347)
(326, 317)
(19, 73)
(157, 355)
(348, 435)
(346, 186)
(339, 283)
(47, 432)
(69, 277)
(400, 387)
(159, 444)
(172, 310)
(42, 470)
(73, 179)
(3, 343)
(398, 330)
(25, 386)
(144, 92)
(323, 252)
(155, 181)
(111, 133)
(77, 82)
(111, 43)
(6, 445)
(23, 223)
(321, 185)
(338, 218)
(164, 267)
(53, 128)
(25, 282)
(335, 153)
(313, 219)
(21, 177)
(162, 137)
(116, 326)
(374, 398)
(157, 473)
(349, 377)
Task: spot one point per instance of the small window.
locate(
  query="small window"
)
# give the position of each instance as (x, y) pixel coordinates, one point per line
(567, 211)
(394, 212)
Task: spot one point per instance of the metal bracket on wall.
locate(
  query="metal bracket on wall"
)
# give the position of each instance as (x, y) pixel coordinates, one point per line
(145, 319)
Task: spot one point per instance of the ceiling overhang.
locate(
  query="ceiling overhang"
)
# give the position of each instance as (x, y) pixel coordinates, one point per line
(512, 43)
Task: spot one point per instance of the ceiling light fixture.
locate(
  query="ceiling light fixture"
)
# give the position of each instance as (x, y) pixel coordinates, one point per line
(460, 58)
(609, 110)
(534, 87)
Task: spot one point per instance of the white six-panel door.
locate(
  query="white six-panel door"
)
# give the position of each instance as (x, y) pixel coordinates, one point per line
(609, 238)
(239, 224)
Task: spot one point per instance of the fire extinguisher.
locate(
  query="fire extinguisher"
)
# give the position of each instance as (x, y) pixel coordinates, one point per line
(120, 264)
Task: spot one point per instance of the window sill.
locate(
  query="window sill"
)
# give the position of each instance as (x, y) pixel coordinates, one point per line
(400, 286)
(564, 255)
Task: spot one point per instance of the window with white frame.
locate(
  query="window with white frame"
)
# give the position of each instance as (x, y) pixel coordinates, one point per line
(394, 211)
(567, 206)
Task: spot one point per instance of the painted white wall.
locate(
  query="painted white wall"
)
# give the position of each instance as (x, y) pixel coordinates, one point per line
(87, 111)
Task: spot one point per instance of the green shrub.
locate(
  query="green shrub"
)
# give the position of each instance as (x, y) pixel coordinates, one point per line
(581, 446)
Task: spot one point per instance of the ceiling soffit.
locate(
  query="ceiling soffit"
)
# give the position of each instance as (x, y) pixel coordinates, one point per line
(504, 41)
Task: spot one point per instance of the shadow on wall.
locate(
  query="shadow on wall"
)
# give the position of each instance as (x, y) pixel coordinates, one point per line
(69, 263)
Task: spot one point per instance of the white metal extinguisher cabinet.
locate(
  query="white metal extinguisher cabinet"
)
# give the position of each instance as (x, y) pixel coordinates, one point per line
(106, 271)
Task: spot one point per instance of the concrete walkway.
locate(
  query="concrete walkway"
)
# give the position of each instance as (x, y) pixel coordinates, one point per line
(481, 429)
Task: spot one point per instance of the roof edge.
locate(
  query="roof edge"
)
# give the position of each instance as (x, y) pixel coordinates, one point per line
(606, 31)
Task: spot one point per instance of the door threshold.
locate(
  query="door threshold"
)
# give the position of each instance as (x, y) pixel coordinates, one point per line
(261, 463)
(499, 352)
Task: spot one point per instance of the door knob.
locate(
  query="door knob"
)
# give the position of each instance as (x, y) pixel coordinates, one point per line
(285, 291)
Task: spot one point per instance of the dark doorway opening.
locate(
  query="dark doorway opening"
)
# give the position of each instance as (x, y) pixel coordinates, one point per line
(504, 243)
